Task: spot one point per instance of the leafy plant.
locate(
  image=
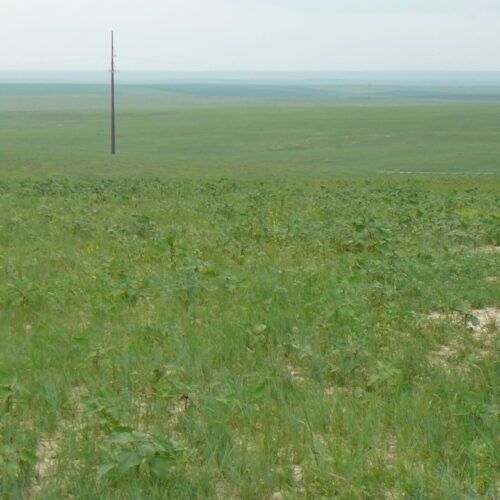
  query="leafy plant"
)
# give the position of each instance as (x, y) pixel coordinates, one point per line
(132, 451)
(14, 463)
(9, 388)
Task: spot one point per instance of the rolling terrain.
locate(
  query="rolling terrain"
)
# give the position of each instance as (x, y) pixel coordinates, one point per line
(288, 295)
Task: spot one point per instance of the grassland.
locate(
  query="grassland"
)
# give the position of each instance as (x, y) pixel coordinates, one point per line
(51, 131)
(239, 304)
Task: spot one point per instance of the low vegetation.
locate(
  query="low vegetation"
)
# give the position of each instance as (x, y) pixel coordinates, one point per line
(244, 339)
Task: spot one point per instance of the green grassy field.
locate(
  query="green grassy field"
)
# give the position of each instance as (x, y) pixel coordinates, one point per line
(63, 131)
(243, 303)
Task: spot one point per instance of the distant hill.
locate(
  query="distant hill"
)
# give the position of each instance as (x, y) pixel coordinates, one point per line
(337, 77)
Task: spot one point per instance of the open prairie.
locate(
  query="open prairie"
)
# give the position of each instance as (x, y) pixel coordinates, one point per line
(248, 132)
(268, 293)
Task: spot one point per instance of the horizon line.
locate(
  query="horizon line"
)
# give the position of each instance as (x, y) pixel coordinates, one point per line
(264, 70)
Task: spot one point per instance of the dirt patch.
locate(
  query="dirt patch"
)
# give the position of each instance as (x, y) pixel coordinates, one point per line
(480, 321)
(350, 392)
(392, 453)
(179, 407)
(49, 448)
(142, 412)
(298, 477)
(446, 352)
(278, 495)
(488, 249)
(485, 321)
(296, 374)
(437, 316)
(298, 473)
(430, 172)
(394, 495)
(442, 358)
(47, 452)
(330, 391)
(177, 410)
(223, 489)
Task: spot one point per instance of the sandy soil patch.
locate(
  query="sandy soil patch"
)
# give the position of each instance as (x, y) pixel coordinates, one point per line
(443, 357)
(296, 374)
(483, 324)
(480, 321)
(335, 390)
(179, 407)
(488, 321)
(446, 352)
(488, 249)
(430, 172)
(330, 391)
(298, 473)
(392, 453)
(49, 448)
(47, 452)
(278, 495)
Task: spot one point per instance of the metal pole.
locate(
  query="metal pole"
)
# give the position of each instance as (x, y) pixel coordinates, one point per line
(113, 139)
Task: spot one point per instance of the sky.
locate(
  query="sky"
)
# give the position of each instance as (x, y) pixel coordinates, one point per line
(255, 35)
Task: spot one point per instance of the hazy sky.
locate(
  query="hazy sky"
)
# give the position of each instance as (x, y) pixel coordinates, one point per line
(252, 34)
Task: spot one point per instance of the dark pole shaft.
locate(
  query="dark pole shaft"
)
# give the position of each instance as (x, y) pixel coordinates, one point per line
(113, 141)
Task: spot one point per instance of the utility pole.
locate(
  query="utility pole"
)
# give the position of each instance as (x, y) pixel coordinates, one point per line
(113, 139)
